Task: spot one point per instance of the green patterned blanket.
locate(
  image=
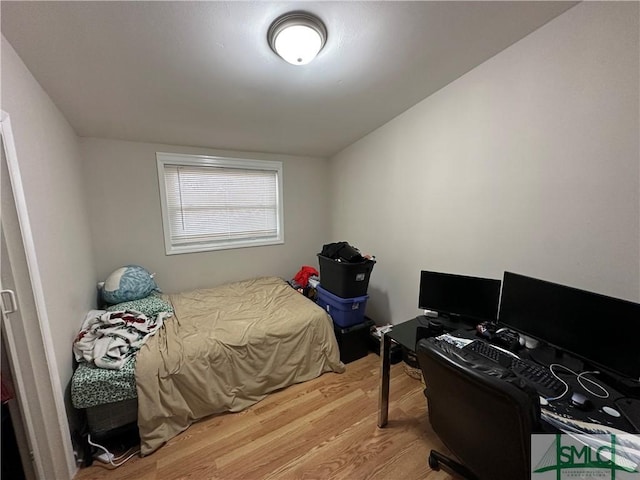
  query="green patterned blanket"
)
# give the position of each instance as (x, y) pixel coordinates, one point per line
(91, 385)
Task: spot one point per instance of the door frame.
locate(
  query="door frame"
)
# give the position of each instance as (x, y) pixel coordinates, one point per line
(52, 450)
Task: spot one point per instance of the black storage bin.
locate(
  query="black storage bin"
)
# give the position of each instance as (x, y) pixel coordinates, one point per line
(353, 341)
(344, 279)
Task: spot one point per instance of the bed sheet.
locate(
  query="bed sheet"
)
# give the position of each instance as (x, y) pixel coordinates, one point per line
(92, 386)
(225, 349)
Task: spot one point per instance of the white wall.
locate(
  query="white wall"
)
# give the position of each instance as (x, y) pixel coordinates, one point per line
(528, 163)
(50, 167)
(50, 164)
(124, 201)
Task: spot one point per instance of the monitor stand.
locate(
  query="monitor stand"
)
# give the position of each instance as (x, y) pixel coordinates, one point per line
(546, 355)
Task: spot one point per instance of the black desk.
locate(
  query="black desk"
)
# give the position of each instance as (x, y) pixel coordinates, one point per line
(405, 335)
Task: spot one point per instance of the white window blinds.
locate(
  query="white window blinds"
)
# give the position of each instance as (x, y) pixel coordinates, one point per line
(211, 203)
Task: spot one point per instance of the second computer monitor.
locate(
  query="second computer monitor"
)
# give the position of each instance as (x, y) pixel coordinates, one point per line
(459, 297)
(600, 329)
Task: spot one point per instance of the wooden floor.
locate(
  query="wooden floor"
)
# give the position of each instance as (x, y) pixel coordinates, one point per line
(321, 429)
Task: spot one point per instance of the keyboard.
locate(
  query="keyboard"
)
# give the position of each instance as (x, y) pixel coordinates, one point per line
(539, 377)
(494, 354)
(488, 351)
(535, 375)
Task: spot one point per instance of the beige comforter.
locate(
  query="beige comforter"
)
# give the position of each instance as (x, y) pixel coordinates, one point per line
(224, 350)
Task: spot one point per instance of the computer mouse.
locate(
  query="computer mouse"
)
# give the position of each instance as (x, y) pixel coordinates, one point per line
(611, 411)
(580, 401)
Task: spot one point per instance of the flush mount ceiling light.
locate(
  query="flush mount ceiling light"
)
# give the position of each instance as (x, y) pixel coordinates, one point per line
(297, 37)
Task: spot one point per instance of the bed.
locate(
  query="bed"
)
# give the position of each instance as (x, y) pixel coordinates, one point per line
(224, 349)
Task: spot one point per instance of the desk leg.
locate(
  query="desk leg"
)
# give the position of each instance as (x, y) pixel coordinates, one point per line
(385, 368)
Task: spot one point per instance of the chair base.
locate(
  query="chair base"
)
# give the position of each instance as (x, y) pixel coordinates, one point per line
(436, 460)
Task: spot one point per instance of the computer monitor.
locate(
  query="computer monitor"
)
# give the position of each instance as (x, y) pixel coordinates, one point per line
(601, 330)
(459, 297)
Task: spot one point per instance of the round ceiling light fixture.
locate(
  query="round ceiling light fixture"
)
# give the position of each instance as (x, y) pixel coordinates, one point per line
(297, 37)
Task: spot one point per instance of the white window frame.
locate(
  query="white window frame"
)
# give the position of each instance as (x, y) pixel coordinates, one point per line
(175, 159)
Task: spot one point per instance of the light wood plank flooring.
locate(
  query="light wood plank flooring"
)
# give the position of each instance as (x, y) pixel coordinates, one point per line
(321, 429)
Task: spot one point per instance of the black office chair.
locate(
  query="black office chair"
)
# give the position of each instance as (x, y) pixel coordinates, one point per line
(483, 413)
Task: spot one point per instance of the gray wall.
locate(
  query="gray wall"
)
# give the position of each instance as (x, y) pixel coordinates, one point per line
(124, 202)
(528, 163)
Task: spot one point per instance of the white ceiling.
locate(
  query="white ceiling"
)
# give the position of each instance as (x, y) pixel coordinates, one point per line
(202, 74)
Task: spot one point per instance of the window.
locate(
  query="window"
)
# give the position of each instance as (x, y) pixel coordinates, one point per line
(214, 203)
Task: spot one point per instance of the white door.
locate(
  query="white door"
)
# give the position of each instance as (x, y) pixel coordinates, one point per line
(8, 314)
(25, 331)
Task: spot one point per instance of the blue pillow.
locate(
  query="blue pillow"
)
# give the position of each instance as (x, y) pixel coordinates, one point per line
(128, 283)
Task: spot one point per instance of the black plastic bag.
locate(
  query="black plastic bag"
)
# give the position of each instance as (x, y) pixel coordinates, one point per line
(342, 251)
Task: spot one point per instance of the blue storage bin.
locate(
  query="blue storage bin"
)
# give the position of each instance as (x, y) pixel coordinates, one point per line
(344, 311)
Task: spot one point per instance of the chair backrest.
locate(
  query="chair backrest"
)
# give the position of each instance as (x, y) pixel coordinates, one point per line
(483, 413)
